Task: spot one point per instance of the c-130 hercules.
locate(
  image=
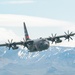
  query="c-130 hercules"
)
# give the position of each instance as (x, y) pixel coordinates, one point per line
(37, 44)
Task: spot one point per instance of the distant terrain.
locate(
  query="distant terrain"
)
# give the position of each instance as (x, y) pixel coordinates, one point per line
(54, 61)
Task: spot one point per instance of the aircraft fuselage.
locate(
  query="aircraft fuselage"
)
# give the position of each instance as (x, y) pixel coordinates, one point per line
(38, 45)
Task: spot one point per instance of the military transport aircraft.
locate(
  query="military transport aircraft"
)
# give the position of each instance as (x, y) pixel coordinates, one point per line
(37, 44)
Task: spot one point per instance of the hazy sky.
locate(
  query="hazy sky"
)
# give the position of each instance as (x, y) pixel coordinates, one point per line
(60, 13)
(55, 9)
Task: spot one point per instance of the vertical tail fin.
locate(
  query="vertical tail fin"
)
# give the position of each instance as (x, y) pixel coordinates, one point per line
(26, 32)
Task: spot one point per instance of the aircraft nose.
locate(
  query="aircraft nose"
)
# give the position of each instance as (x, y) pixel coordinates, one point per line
(46, 45)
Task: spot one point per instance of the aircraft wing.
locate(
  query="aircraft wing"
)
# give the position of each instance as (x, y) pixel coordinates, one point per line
(57, 39)
(13, 45)
(6, 44)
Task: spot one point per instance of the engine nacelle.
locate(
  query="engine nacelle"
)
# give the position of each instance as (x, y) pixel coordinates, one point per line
(58, 41)
(15, 47)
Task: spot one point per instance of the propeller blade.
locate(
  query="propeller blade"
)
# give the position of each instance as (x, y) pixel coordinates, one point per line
(71, 38)
(65, 33)
(9, 48)
(55, 35)
(11, 40)
(52, 42)
(52, 35)
(71, 33)
(8, 41)
(24, 40)
(68, 39)
(68, 32)
(24, 46)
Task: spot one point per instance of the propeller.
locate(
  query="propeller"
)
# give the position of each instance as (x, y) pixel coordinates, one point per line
(24, 42)
(53, 38)
(68, 35)
(9, 44)
(27, 42)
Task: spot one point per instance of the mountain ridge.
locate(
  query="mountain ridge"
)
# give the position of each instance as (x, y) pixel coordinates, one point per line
(54, 61)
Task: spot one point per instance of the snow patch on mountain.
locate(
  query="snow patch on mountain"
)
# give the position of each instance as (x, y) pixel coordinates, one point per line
(54, 61)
